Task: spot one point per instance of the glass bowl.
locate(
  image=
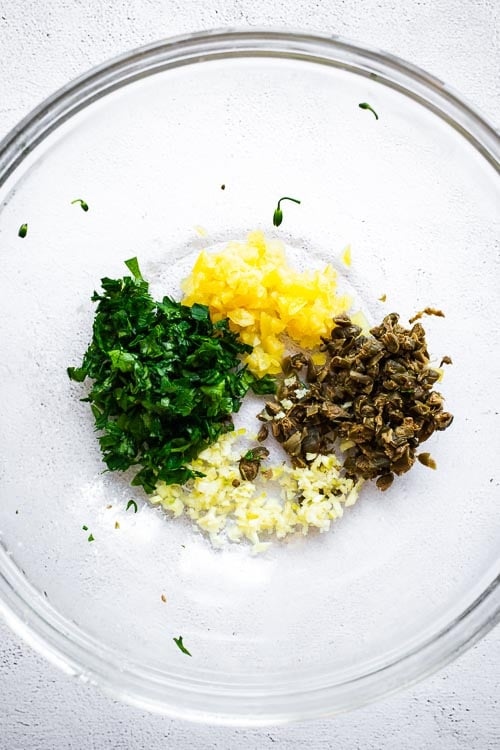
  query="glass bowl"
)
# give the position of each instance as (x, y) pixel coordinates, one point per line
(407, 579)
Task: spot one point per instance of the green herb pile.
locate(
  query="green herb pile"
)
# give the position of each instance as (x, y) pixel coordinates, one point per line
(166, 380)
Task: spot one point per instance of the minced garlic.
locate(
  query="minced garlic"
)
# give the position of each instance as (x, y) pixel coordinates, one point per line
(293, 500)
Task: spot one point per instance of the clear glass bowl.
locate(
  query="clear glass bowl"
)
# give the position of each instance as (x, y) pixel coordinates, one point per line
(405, 580)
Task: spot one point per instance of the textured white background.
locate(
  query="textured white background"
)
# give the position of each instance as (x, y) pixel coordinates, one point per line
(44, 44)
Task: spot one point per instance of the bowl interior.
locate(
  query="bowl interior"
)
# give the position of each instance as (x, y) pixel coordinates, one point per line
(419, 205)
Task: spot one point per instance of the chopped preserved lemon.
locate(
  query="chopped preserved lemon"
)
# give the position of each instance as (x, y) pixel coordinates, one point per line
(319, 358)
(346, 256)
(359, 319)
(241, 317)
(251, 284)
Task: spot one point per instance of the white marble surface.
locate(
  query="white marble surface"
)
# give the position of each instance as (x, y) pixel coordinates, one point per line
(42, 45)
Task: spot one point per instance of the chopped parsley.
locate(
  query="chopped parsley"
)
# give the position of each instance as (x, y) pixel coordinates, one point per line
(130, 504)
(85, 528)
(23, 231)
(256, 454)
(90, 538)
(165, 380)
(182, 647)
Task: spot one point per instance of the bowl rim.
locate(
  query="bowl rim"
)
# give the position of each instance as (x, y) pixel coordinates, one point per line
(29, 614)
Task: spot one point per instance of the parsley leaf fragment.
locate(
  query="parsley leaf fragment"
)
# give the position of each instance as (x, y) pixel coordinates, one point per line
(278, 212)
(83, 204)
(133, 266)
(180, 644)
(365, 105)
